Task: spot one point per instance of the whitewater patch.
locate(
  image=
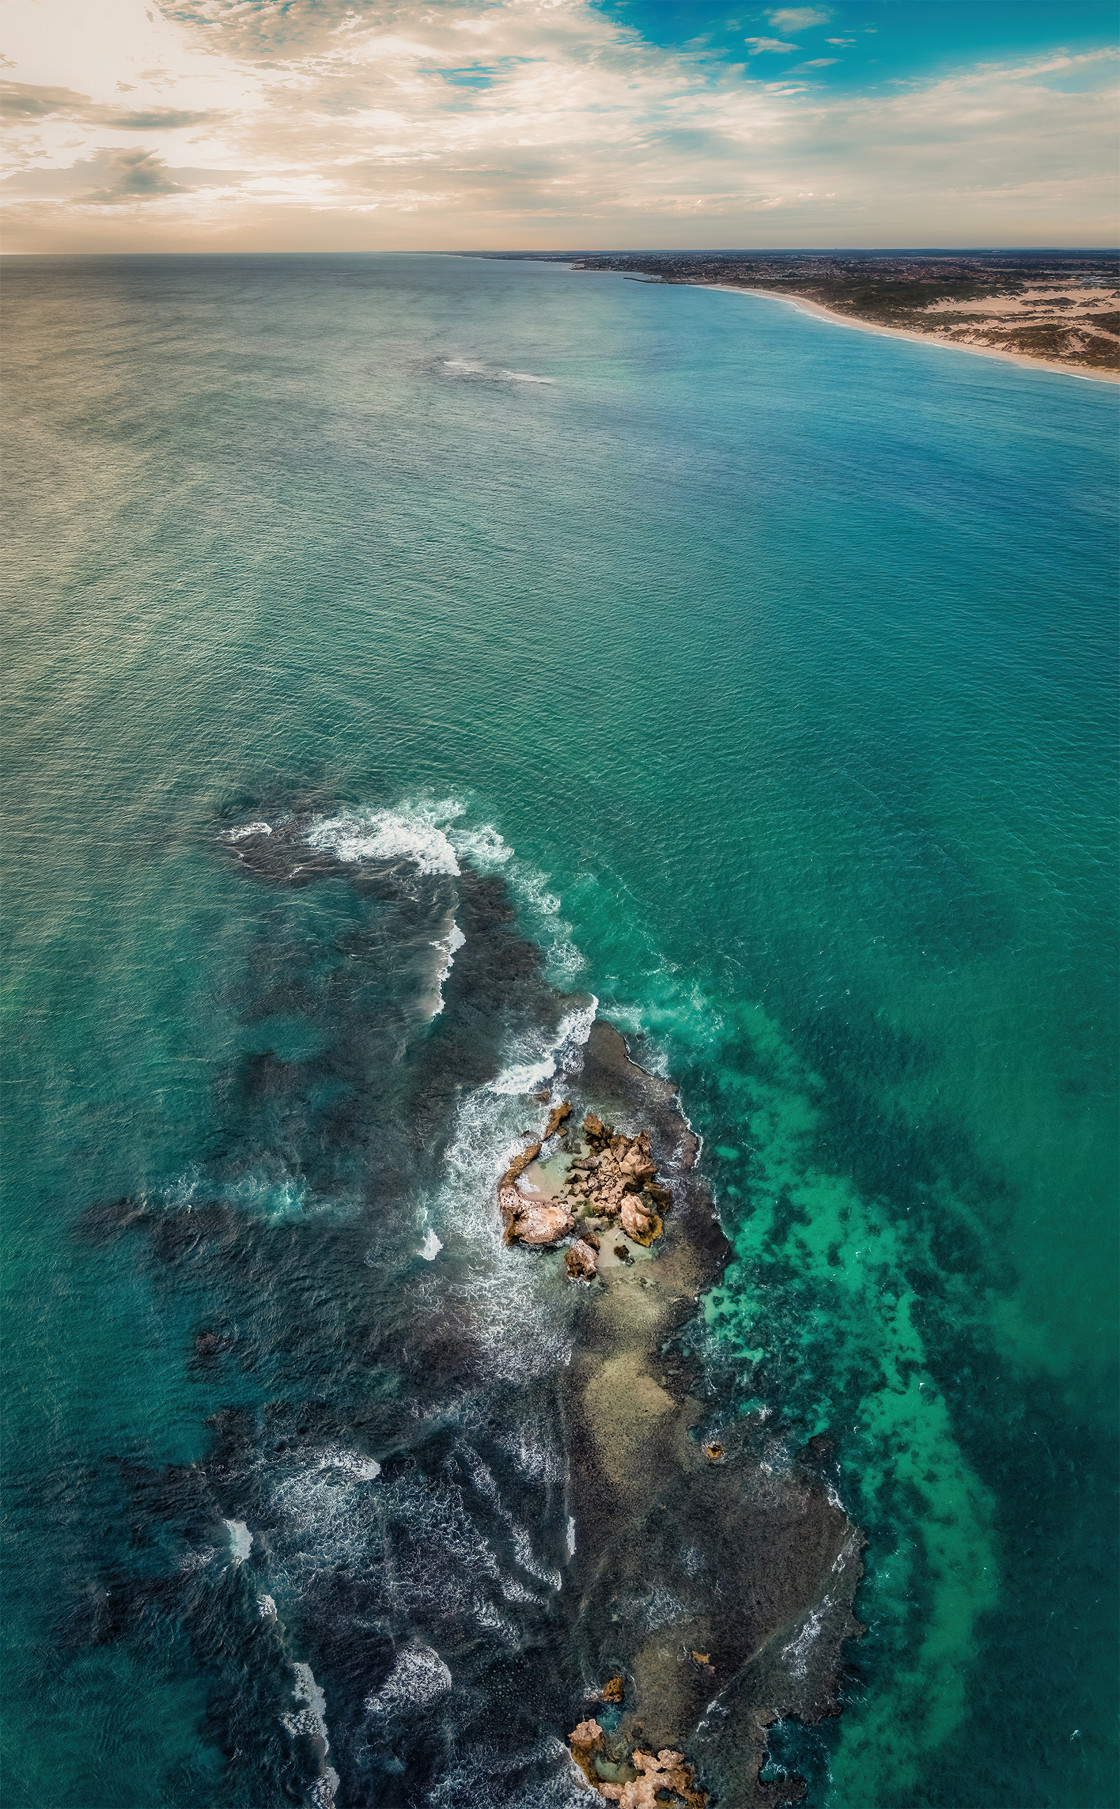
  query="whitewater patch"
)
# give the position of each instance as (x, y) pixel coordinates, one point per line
(434, 836)
(387, 835)
(240, 1540)
(523, 1337)
(418, 1678)
(488, 373)
(449, 947)
(310, 1718)
(246, 829)
(524, 1076)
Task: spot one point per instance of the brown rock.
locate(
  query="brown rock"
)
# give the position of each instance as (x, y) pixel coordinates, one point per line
(510, 1201)
(537, 1223)
(555, 1119)
(665, 1778)
(642, 1226)
(586, 1740)
(637, 1166)
(579, 1260)
(520, 1162)
(594, 1126)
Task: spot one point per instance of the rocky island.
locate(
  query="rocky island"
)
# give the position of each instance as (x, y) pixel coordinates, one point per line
(713, 1586)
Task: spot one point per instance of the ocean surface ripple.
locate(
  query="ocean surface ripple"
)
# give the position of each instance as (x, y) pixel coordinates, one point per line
(409, 658)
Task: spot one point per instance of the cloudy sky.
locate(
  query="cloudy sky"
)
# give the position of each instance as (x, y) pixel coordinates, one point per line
(448, 124)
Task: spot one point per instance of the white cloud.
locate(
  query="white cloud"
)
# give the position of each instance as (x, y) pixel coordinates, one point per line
(514, 122)
(758, 45)
(799, 18)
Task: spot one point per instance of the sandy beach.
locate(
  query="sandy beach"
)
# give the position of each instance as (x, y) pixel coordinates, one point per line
(867, 326)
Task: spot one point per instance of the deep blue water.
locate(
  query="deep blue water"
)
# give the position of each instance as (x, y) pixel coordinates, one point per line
(771, 667)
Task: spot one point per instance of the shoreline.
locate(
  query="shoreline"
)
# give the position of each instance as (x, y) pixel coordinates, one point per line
(951, 345)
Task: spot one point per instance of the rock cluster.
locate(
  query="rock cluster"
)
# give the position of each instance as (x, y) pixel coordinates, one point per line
(613, 1184)
(617, 1180)
(655, 1779)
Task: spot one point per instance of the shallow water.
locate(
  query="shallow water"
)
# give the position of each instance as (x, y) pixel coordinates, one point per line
(770, 668)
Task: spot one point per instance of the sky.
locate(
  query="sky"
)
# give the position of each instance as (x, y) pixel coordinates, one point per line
(333, 125)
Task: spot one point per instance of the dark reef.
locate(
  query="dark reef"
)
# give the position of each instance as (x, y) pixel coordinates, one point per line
(413, 1557)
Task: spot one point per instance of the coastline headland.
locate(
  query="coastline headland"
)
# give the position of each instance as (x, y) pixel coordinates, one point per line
(1057, 311)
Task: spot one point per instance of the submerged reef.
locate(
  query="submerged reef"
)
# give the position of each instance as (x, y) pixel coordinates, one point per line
(474, 1525)
(711, 1590)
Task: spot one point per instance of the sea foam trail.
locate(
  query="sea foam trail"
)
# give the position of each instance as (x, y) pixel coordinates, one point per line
(387, 835)
(448, 947)
(489, 373)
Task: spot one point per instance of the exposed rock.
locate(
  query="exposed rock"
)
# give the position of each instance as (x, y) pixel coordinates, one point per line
(579, 1260)
(521, 1162)
(510, 1201)
(637, 1223)
(661, 1780)
(619, 1177)
(585, 1741)
(614, 1689)
(538, 1223)
(555, 1119)
(740, 1556)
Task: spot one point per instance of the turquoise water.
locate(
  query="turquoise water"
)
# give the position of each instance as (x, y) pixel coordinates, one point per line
(771, 666)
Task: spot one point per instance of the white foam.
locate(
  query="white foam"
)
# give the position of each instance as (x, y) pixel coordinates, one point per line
(238, 835)
(240, 1539)
(325, 1788)
(660, 1609)
(418, 1678)
(516, 1314)
(488, 852)
(449, 945)
(431, 1247)
(572, 1033)
(492, 373)
(352, 1464)
(266, 1607)
(801, 1645)
(311, 1717)
(195, 1560)
(571, 1537)
(388, 835)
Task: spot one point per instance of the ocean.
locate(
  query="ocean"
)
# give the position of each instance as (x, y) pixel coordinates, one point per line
(747, 680)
